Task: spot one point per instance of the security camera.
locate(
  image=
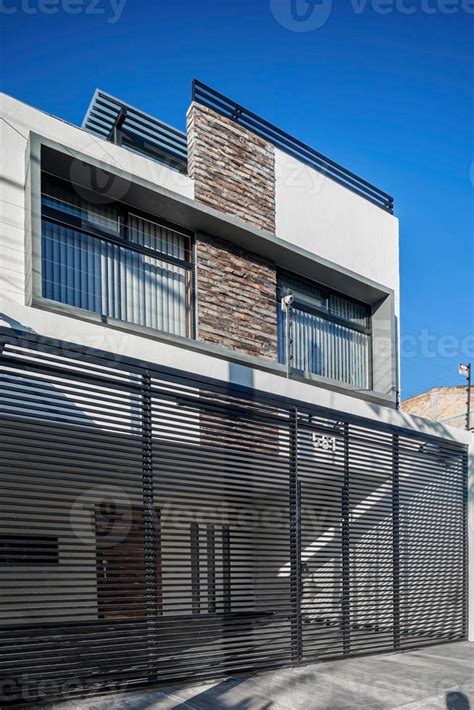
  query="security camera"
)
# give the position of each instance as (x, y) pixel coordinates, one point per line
(287, 302)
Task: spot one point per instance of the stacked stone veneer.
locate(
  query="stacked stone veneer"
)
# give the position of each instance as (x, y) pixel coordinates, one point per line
(233, 169)
(236, 297)
(234, 172)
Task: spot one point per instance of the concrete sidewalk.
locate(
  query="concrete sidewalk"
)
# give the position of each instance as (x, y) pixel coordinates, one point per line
(436, 677)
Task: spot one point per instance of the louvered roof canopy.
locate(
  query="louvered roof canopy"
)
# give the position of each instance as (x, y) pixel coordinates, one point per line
(123, 124)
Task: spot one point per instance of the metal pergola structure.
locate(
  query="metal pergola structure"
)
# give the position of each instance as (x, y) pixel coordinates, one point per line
(158, 527)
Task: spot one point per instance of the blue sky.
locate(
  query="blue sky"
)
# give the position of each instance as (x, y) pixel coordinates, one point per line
(386, 93)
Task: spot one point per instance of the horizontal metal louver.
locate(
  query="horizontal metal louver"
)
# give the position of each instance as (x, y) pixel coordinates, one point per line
(157, 527)
(142, 133)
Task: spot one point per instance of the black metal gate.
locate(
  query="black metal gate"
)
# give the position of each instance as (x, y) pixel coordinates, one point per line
(157, 527)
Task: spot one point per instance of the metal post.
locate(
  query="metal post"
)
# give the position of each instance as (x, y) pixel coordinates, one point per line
(288, 341)
(117, 132)
(150, 535)
(286, 305)
(466, 371)
(295, 542)
(346, 562)
(396, 539)
(468, 413)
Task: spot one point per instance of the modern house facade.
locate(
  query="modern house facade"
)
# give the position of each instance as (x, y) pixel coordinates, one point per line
(205, 469)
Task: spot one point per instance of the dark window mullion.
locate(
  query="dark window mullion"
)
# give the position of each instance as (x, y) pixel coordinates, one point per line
(123, 226)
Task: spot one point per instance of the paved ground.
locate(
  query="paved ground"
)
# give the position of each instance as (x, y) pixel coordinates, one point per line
(437, 677)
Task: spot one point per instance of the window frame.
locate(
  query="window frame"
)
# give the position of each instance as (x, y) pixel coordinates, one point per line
(305, 305)
(120, 238)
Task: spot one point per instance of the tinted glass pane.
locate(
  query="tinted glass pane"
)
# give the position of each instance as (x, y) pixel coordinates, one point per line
(84, 271)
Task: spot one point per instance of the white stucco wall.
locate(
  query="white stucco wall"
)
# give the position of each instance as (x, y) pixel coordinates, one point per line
(318, 214)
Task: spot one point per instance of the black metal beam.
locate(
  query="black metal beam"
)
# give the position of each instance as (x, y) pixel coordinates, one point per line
(295, 541)
(205, 95)
(346, 537)
(150, 529)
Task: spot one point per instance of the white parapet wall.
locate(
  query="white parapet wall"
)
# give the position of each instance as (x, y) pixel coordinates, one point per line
(316, 213)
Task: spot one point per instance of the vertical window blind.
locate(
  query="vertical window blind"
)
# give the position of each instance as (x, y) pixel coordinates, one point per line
(106, 259)
(330, 333)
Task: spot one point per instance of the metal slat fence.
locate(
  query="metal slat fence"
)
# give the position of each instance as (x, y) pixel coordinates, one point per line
(157, 528)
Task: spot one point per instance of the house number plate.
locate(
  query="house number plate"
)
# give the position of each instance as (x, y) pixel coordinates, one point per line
(322, 441)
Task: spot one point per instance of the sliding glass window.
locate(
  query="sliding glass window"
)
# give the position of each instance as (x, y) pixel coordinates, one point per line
(330, 333)
(111, 260)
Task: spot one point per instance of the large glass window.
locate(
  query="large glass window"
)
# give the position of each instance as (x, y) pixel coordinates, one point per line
(330, 333)
(108, 259)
